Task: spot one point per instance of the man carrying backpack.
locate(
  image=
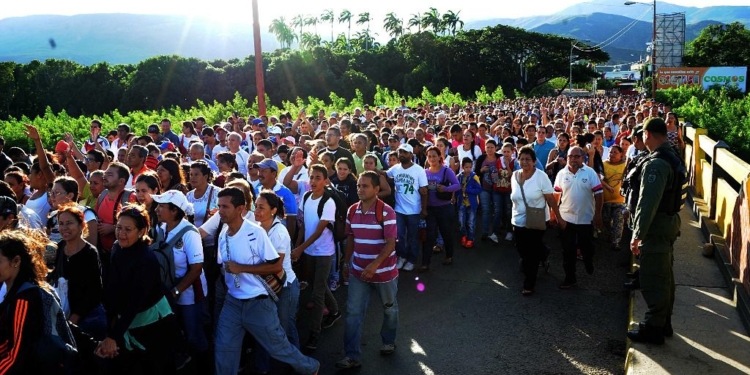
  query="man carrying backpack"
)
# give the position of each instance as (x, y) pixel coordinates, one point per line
(319, 248)
(108, 205)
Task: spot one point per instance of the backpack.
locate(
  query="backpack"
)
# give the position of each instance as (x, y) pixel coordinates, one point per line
(124, 198)
(379, 207)
(338, 226)
(165, 255)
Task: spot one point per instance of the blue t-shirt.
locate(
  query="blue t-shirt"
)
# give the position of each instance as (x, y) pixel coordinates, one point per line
(290, 203)
(543, 150)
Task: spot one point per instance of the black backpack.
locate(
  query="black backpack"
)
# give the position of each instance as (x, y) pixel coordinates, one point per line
(338, 226)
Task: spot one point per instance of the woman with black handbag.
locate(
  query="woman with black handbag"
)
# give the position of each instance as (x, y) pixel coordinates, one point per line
(531, 193)
(441, 184)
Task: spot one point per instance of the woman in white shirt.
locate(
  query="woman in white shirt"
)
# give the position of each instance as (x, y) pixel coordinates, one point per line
(269, 210)
(188, 135)
(538, 193)
(468, 149)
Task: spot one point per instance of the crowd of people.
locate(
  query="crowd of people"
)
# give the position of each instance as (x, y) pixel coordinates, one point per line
(164, 249)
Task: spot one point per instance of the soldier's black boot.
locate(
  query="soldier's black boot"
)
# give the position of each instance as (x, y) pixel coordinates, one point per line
(647, 334)
(667, 331)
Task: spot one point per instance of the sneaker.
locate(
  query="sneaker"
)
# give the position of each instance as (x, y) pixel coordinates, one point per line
(333, 285)
(330, 320)
(387, 349)
(409, 266)
(348, 363)
(312, 342)
(579, 255)
(463, 241)
(345, 283)
(400, 263)
(509, 237)
(469, 244)
(493, 237)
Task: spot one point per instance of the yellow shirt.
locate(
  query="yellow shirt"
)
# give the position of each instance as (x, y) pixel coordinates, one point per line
(613, 174)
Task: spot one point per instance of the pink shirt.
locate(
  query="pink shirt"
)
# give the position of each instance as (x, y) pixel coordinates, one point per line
(369, 239)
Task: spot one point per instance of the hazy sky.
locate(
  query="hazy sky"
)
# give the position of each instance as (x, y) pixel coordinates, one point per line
(242, 10)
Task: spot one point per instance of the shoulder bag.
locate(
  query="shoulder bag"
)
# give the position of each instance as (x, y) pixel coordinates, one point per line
(535, 217)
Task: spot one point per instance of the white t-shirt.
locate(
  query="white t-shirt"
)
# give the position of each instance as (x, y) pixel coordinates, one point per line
(29, 218)
(40, 206)
(407, 182)
(578, 191)
(216, 150)
(186, 251)
(210, 198)
(186, 140)
(242, 157)
(281, 241)
(534, 188)
(324, 245)
(250, 245)
(299, 177)
(467, 154)
(212, 225)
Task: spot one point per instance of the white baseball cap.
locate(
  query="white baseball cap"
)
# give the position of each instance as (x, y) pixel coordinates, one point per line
(176, 198)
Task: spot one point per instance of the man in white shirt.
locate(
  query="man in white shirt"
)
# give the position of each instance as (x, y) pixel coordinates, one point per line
(247, 306)
(411, 205)
(580, 205)
(319, 247)
(233, 143)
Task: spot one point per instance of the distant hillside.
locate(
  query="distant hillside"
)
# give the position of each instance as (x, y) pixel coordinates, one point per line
(123, 38)
(595, 27)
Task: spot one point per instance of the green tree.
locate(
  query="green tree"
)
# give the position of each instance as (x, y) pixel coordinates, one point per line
(415, 21)
(309, 41)
(312, 21)
(328, 16)
(364, 18)
(451, 22)
(282, 32)
(299, 21)
(346, 16)
(431, 19)
(393, 25)
(720, 45)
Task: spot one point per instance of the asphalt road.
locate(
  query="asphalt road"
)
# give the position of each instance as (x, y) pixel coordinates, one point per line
(472, 319)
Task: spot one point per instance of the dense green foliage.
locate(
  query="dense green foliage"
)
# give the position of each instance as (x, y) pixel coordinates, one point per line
(52, 126)
(724, 112)
(720, 45)
(495, 56)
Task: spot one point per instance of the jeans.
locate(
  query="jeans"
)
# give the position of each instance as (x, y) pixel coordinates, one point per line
(287, 306)
(260, 318)
(576, 236)
(494, 205)
(321, 295)
(334, 273)
(467, 218)
(407, 245)
(442, 218)
(94, 323)
(356, 307)
(190, 318)
(530, 245)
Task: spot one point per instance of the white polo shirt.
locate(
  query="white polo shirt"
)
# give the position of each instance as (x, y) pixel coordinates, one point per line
(250, 245)
(578, 191)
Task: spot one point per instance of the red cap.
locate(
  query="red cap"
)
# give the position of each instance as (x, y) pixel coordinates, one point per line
(62, 146)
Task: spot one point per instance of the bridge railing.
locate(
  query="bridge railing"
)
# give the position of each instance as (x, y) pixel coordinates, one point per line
(720, 188)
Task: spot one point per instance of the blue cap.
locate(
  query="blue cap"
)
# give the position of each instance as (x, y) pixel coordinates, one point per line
(257, 121)
(268, 164)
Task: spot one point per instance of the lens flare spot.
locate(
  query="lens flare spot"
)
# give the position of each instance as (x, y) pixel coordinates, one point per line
(420, 287)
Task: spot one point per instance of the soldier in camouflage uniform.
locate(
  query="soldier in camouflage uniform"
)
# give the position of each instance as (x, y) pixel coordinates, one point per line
(656, 227)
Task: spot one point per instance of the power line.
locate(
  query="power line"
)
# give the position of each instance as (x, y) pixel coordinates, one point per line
(615, 36)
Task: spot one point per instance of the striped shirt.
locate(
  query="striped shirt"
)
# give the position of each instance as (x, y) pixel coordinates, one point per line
(369, 239)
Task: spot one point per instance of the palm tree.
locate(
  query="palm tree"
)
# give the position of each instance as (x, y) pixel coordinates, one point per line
(283, 33)
(312, 20)
(346, 16)
(432, 19)
(393, 25)
(451, 22)
(299, 21)
(329, 17)
(365, 18)
(415, 20)
(309, 41)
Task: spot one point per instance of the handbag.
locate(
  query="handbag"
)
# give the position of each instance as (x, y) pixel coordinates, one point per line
(274, 282)
(61, 287)
(445, 196)
(536, 218)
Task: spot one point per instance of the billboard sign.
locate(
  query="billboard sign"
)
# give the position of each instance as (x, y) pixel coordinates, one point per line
(706, 77)
(623, 75)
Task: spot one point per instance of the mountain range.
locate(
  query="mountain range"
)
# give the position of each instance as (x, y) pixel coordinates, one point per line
(130, 38)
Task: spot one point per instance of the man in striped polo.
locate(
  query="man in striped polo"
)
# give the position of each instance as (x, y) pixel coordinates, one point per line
(370, 260)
